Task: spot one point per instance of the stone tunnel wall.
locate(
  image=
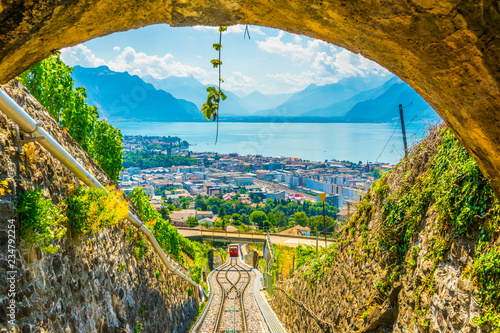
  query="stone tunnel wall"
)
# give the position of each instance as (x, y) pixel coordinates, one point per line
(93, 283)
(447, 50)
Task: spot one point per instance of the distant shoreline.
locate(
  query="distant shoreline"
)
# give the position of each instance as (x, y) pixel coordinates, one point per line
(265, 120)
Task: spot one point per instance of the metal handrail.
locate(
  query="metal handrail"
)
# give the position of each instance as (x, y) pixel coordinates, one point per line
(212, 231)
(268, 240)
(29, 125)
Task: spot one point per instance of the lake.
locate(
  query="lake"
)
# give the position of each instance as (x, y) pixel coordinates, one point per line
(310, 141)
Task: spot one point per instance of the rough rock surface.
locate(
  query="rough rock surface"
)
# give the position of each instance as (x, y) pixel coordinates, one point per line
(449, 51)
(345, 293)
(94, 283)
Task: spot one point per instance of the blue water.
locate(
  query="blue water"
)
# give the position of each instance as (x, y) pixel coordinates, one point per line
(309, 141)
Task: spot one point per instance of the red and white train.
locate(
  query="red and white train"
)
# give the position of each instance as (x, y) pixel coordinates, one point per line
(234, 250)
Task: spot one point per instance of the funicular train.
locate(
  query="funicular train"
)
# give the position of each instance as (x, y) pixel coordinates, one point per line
(234, 250)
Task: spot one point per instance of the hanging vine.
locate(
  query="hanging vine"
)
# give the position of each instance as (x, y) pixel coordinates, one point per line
(210, 108)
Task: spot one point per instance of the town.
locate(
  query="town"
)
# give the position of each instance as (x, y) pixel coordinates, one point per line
(150, 163)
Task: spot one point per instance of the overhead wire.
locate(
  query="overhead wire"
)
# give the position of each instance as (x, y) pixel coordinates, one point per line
(395, 128)
(417, 114)
(416, 94)
(399, 122)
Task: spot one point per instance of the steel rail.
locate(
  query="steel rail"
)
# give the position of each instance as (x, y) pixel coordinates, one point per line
(223, 296)
(235, 285)
(242, 295)
(239, 294)
(201, 318)
(29, 125)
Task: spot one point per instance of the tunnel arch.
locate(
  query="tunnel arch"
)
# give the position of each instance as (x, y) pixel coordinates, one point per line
(448, 51)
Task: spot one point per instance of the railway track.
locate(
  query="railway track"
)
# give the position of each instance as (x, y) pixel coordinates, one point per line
(233, 280)
(232, 307)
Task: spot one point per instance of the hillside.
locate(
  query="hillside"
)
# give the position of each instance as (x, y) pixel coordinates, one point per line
(317, 97)
(259, 101)
(121, 96)
(385, 107)
(192, 90)
(94, 282)
(420, 255)
(340, 109)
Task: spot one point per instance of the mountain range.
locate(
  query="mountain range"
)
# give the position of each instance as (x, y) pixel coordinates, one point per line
(121, 96)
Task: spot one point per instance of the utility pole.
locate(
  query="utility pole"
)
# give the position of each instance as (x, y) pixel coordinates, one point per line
(403, 128)
(317, 235)
(324, 222)
(322, 197)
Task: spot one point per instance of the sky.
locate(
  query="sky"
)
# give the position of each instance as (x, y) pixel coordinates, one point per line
(271, 61)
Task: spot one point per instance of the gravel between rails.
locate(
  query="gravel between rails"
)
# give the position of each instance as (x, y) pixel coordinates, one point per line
(233, 275)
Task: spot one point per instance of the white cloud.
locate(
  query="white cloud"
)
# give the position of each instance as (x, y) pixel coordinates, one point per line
(116, 49)
(133, 62)
(329, 63)
(80, 55)
(237, 80)
(303, 79)
(297, 39)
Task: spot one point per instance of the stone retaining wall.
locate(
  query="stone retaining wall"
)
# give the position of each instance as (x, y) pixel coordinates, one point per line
(94, 283)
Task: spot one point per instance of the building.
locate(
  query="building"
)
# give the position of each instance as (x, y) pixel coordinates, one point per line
(353, 193)
(245, 198)
(132, 171)
(204, 214)
(230, 228)
(211, 189)
(273, 166)
(261, 174)
(243, 181)
(182, 215)
(325, 187)
(276, 195)
(335, 200)
(209, 221)
(297, 231)
(150, 191)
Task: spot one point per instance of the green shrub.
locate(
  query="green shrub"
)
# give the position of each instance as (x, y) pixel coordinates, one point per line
(168, 237)
(486, 272)
(90, 210)
(304, 254)
(39, 220)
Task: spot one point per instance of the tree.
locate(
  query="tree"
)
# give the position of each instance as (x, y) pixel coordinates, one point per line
(258, 217)
(107, 149)
(271, 218)
(280, 218)
(245, 219)
(301, 219)
(51, 83)
(198, 203)
(266, 225)
(158, 191)
(255, 198)
(192, 221)
(221, 212)
(236, 219)
(376, 173)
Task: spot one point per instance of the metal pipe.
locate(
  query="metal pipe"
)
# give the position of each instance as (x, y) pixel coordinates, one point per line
(29, 125)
